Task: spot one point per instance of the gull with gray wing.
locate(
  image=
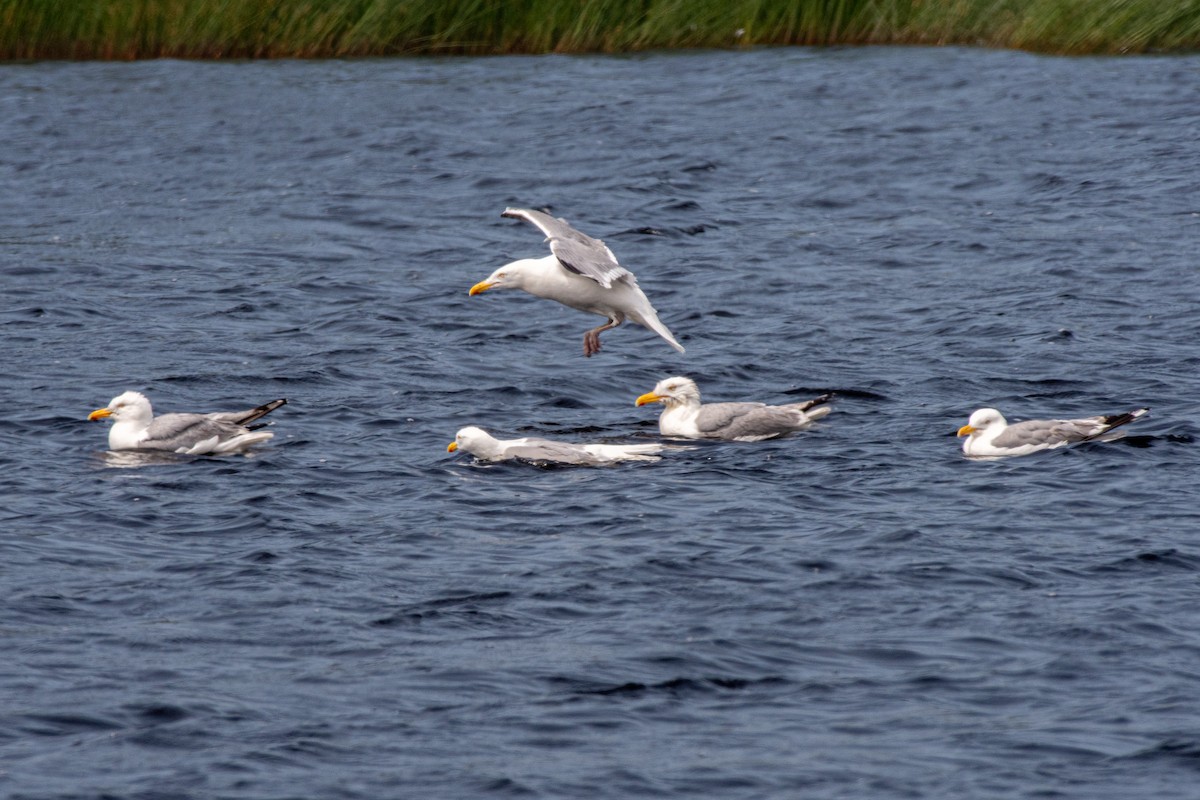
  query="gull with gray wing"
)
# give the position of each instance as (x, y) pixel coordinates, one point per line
(580, 272)
(989, 434)
(684, 415)
(486, 447)
(136, 428)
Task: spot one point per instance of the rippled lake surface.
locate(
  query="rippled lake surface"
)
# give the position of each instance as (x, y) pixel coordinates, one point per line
(857, 611)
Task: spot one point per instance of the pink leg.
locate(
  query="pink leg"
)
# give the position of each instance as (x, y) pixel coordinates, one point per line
(591, 339)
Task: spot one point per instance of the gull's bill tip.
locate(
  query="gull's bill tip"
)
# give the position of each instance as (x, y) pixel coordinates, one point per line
(450, 448)
(648, 397)
(99, 413)
(966, 430)
(482, 286)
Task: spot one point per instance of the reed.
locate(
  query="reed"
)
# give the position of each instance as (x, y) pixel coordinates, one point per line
(129, 29)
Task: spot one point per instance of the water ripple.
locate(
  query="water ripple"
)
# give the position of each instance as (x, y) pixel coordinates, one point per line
(353, 612)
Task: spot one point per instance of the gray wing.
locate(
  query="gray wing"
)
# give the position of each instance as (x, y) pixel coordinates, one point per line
(550, 450)
(1050, 432)
(173, 431)
(745, 420)
(576, 251)
(1047, 432)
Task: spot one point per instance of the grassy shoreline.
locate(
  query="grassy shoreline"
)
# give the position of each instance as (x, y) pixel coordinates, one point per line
(214, 29)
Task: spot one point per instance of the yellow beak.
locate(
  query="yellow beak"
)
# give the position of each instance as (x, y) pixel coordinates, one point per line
(966, 430)
(99, 413)
(648, 397)
(482, 286)
(450, 448)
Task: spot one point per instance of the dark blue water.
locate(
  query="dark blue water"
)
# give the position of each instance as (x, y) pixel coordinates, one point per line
(856, 611)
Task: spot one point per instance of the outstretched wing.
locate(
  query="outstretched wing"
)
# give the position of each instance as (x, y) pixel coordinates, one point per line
(576, 251)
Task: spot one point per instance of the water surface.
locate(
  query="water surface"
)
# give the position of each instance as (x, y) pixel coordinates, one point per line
(855, 611)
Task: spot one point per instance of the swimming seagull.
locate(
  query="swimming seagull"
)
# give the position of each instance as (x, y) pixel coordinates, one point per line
(136, 428)
(740, 422)
(485, 447)
(580, 272)
(989, 434)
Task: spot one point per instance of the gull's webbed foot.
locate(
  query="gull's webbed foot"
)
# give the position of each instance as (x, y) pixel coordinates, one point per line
(591, 343)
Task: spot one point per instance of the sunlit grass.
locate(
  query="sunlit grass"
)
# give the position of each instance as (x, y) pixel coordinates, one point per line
(126, 29)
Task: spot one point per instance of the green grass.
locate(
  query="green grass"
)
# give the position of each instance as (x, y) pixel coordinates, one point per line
(128, 29)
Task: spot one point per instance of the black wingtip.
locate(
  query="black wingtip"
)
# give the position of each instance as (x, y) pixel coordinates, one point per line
(262, 411)
(817, 401)
(1116, 420)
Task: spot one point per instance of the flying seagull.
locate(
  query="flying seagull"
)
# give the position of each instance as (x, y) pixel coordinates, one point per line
(580, 272)
(989, 434)
(685, 416)
(136, 428)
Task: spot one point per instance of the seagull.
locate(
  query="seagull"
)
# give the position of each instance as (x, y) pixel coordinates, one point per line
(739, 422)
(580, 272)
(485, 447)
(989, 434)
(136, 428)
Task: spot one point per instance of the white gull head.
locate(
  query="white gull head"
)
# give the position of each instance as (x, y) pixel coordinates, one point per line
(983, 425)
(475, 441)
(131, 415)
(673, 392)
